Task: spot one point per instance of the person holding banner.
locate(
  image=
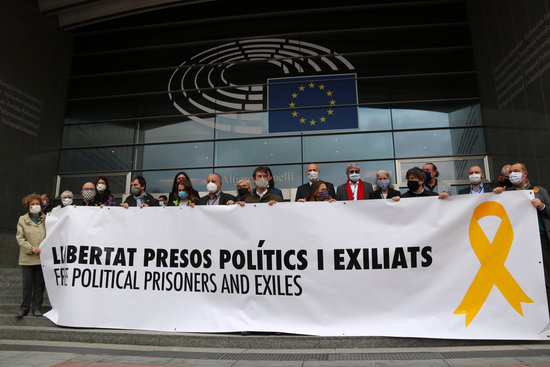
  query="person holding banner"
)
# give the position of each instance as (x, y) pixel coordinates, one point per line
(185, 197)
(181, 178)
(103, 197)
(415, 182)
(215, 195)
(432, 183)
(31, 230)
(518, 178)
(66, 200)
(354, 188)
(312, 172)
(260, 177)
(384, 188)
(139, 196)
(244, 190)
(318, 191)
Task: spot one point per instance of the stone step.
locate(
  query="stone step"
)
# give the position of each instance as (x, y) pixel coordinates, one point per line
(235, 340)
(14, 307)
(29, 320)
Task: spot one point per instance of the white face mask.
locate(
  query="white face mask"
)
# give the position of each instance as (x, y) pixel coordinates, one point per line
(474, 178)
(262, 183)
(313, 176)
(211, 187)
(354, 177)
(67, 201)
(516, 178)
(101, 187)
(35, 209)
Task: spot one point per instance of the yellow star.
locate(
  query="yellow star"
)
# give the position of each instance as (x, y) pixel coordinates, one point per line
(321, 87)
(302, 120)
(332, 102)
(311, 84)
(312, 122)
(294, 95)
(330, 112)
(292, 104)
(294, 114)
(329, 93)
(323, 119)
(301, 88)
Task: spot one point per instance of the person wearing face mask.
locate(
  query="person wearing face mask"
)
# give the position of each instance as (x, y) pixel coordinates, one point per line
(354, 188)
(47, 205)
(318, 191)
(215, 195)
(88, 194)
(184, 198)
(139, 197)
(541, 202)
(312, 173)
(181, 178)
(66, 200)
(244, 190)
(30, 233)
(103, 196)
(271, 181)
(475, 176)
(415, 182)
(163, 200)
(503, 179)
(383, 188)
(261, 194)
(432, 183)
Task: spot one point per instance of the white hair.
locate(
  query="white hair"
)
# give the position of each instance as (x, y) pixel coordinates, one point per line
(383, 172)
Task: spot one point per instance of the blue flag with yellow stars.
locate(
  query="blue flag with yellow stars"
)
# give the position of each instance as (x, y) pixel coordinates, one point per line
(312, 103)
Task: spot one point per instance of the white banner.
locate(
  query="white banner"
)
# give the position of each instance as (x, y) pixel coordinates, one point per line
(466, 267)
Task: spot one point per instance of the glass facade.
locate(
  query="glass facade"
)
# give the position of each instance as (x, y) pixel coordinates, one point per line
(187, 89)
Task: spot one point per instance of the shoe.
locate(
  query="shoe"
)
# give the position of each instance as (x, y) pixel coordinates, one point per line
(20, 314)
(38, 313)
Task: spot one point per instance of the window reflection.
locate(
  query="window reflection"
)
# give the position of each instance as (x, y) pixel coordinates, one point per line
(443, 142)
(175, 155)
(258, 151)
(348, 147)
(95, 159)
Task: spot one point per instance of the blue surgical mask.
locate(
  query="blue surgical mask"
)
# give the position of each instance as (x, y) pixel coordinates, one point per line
(182, 194)
(323, 195)
(383, 184)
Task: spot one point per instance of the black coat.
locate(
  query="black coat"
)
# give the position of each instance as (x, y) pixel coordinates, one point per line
(377, 195)
(149, 200)
(224, 198)
(488, 187)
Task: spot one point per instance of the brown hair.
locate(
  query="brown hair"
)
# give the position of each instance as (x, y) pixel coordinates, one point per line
(313, 190)
(27, 200)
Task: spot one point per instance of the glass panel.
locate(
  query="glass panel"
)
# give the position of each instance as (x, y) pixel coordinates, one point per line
(335, 173)
(175, 155)
(96, 159)
(176, 129)
(258, 151)
(347, 147)
(286, 177)
(238, 125)
(422, 115)
(98, 134)
(161, 181)
(374, 119)
(428, 143)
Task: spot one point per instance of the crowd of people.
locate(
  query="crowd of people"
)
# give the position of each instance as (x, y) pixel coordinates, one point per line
(420, 182)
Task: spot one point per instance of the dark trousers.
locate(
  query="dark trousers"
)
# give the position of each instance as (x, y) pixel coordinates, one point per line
(33, 287)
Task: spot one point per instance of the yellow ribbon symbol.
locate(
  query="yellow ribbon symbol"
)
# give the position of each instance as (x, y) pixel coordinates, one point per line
(492, 256)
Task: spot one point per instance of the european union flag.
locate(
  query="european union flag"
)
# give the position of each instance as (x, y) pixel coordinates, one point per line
(312, 103)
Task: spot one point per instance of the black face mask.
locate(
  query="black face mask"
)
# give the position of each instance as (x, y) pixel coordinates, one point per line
(504, 182)
(413, 185)
(243, 191)
(428, 175)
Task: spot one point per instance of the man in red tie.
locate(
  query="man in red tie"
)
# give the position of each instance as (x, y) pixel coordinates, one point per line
(354, 188)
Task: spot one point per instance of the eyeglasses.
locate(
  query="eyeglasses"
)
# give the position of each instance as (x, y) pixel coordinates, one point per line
(354, 171)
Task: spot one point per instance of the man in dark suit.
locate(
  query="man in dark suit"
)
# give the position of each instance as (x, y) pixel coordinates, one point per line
(139, 196)
(354, 188)
(312, 172)
(215, 195)
(476, 176)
